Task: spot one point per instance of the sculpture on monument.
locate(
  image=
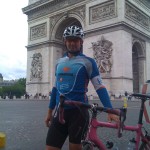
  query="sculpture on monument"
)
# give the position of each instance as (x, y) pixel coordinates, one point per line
(102, 53)
(36, 67)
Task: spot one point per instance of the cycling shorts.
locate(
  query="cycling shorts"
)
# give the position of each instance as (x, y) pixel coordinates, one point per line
(76, 124)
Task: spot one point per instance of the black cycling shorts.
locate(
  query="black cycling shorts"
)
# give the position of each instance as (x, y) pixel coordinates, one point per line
(76, 124)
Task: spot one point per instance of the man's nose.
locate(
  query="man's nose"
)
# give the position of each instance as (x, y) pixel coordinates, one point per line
(72, 42)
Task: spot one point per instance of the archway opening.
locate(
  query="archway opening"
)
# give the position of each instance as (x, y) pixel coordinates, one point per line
(67, 22)
(59, 31)
(137, 66)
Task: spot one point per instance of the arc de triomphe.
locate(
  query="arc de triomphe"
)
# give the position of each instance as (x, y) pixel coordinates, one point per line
(117, 35)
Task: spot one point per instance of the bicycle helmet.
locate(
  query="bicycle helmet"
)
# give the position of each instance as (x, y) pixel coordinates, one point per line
(73, 32)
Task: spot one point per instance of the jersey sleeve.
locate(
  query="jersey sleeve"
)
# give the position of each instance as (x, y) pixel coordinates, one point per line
(104, 97)
(52, 102)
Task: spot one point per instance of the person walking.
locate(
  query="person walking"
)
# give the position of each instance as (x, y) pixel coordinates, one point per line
(73, 72)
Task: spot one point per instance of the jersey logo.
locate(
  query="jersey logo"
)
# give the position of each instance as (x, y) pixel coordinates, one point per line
(66, 69)
(99, 81)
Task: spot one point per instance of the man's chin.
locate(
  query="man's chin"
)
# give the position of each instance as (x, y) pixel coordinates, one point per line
(74, 52)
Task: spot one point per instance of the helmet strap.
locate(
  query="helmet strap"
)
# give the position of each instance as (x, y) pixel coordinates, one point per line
(74, 53)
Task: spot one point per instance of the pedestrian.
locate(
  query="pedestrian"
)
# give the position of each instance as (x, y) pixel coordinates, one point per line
(73, 72)
(128, 97)
(126, 93)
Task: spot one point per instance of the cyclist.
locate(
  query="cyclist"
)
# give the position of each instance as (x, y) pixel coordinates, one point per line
(73, 72)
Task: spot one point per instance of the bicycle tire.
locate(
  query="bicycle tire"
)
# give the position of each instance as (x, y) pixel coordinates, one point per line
(87, 146)
(144, 146)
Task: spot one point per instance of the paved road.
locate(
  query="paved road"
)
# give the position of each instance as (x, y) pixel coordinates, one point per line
(23, 123)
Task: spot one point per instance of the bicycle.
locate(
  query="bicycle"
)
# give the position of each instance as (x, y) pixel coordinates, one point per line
(91, 139)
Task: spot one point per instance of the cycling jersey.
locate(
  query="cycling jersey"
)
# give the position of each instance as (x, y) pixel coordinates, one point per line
(72, 78)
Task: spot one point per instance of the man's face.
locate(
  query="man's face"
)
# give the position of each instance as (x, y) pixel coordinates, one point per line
(73, 44)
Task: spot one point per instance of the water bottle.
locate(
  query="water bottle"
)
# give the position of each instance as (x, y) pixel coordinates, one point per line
(131, 144)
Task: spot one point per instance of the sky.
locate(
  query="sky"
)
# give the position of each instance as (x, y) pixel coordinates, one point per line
(13, 39)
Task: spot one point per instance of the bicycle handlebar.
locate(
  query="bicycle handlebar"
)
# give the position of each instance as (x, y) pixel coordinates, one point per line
(119, 112)
(71, 103)
(141, 96)
(81, 104)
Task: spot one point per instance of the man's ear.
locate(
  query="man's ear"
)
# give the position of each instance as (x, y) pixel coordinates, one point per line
(64, 41)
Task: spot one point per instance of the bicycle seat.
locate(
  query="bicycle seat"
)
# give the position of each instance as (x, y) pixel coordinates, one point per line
(141, 96)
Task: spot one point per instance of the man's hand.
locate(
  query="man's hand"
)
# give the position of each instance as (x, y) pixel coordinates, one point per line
(48, 118)
(112, 117)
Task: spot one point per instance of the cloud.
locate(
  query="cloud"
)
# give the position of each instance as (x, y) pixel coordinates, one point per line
(12, 67)
(13, 34)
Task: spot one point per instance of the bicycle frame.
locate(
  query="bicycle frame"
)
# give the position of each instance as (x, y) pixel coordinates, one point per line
(94, 124)
(91, 136)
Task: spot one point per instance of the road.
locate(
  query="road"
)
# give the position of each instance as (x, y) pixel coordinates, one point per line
(23, 123)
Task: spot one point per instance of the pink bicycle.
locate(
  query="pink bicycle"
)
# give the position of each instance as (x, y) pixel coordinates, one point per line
(91, 139)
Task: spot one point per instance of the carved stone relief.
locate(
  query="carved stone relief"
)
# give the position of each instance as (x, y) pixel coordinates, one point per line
(39, 31)
(36, 67)
(46, 7)
(103, 11)
(80, 11)
(102, 53)
(136, 15)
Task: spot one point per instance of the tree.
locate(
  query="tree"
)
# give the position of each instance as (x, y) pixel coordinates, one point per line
(18, 89)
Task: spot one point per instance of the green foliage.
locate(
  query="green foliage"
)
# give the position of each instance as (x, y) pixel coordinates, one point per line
(18, 89)
(1, 90)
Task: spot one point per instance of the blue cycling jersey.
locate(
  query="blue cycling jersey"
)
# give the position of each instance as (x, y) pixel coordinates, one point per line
(72, 78)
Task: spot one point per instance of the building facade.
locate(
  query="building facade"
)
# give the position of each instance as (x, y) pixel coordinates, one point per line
(117, 35)
(4, 83)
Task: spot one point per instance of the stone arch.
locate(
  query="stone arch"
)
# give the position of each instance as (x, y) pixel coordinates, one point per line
(59, 27)
(138, 64)
(64, 21)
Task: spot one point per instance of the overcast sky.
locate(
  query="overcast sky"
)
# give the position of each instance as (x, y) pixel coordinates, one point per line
(13, 39)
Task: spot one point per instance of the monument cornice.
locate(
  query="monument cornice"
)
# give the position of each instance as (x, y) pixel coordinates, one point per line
(146, 3)
(44, 7)
(97, 31)
(37, 82)
(121, 77)
(115, 27)
(43, 44)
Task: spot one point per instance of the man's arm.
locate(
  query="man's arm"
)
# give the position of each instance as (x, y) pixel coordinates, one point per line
(101, 91)
(104, 97)
(51, 107)
(53, 98)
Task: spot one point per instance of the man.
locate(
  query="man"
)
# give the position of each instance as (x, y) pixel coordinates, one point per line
(73, 73)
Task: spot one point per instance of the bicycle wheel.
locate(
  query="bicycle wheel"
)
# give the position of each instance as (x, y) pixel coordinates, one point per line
(144, 146)
(87, 146)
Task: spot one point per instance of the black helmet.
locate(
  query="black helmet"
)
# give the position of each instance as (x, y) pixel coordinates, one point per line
(74, 32)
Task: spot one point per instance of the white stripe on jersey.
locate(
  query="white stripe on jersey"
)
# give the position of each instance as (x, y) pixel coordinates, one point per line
(97, 82)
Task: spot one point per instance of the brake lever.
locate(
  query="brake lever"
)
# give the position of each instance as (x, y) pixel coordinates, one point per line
(122, 119)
